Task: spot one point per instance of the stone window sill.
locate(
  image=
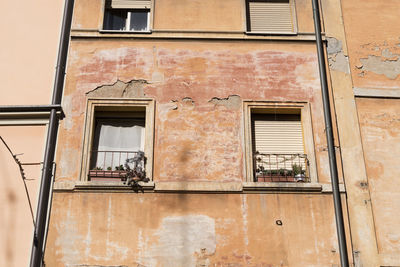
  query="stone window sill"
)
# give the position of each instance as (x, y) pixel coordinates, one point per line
(199, 187)
(184, 34)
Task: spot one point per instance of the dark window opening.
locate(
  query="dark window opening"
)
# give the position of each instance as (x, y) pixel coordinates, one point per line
(126, 19)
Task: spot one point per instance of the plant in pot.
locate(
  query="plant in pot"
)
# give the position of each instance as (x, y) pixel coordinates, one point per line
(119, 168)
(260, 173)
(299, 173)
(136, 173)
(95, 171)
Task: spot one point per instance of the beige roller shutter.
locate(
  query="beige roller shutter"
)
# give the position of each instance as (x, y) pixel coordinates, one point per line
(271, 16)
(130, 4)
(279, 137)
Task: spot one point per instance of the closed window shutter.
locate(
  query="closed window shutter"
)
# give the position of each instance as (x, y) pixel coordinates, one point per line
(130, 4)
(271, 16)
(279, 137)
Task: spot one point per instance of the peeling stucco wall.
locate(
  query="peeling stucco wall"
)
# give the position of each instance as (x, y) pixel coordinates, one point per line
(380, 131)
(198, 88)
(198, 93)
(373, 38)
(338, 61)
(387, 63)
(191, 230)
(230, 102)
(120, 89)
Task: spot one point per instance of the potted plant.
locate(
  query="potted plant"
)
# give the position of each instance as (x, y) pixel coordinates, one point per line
(298, 172)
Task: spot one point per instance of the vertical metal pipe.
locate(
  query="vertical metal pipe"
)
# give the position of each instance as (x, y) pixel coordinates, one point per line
(330, 140)
(45, 185)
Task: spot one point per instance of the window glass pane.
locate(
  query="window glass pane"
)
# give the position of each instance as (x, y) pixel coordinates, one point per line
(139, 20)
(115, 19)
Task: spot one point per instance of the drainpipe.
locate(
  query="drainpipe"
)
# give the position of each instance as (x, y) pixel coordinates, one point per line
(329, 136)
(44, 194)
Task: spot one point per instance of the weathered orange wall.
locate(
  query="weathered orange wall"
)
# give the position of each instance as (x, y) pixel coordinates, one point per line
(183, 81)
(171, 229)
(198, 87)
(199, 15)
(380, 131)
(210, 15)
(373, 42)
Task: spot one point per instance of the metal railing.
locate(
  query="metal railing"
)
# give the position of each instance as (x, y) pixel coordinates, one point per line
(281, 167)
(112, 164)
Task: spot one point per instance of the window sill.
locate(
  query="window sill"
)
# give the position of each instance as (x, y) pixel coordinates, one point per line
(184, 34)
(281, 186)
(102, 186)
(271, 33)
(125, 32)
(289, 187)
(199, 187)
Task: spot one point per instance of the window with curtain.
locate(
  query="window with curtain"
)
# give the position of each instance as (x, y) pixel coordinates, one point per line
(115, 141)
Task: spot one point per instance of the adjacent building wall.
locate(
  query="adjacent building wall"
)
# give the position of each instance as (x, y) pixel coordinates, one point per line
(16, 226)
(29, 32)
(374, 48)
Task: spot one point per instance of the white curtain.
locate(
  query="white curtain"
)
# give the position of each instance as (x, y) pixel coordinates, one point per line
(116, 140)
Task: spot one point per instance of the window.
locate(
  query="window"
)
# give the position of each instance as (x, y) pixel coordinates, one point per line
(271, 16)
(119, 138)
(277, 142)
(127, 15)
(277, 148)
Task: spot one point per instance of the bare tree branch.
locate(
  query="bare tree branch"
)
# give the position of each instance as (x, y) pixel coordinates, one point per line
(21, 171)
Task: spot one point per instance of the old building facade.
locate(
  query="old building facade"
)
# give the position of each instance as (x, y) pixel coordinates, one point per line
(216, 107)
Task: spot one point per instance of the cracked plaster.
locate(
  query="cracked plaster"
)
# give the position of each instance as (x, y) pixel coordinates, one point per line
(231, 102)
(133, 88)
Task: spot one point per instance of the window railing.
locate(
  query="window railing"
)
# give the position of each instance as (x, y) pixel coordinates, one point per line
(111, 165)
(281, 168)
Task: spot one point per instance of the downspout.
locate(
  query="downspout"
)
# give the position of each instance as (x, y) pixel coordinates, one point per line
(44, 194)
(329, 136)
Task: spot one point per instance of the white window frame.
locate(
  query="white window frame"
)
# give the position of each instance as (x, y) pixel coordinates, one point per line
(303, 108)
(116, 105)
(127, 23)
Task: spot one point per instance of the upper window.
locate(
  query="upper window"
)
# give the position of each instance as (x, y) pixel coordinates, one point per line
(127, 15)
(271, 16)
(279, 143)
